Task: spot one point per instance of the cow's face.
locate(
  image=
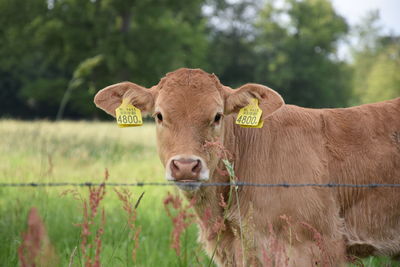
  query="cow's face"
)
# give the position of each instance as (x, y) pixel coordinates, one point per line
(189, 108)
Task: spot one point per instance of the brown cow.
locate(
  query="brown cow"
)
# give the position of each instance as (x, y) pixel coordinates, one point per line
(301, 226)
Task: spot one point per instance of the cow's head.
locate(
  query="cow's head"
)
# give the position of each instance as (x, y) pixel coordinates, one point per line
(189, 106)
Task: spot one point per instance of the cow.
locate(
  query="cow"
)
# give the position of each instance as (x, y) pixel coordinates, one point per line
(311, 225)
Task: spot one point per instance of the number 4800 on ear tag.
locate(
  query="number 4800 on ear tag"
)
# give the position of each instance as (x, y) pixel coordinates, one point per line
(250, 115)
(127, 115)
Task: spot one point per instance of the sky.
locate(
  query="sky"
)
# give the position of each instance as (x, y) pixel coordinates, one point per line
(354, 10)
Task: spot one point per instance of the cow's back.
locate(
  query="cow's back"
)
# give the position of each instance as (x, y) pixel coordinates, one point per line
(363, 147)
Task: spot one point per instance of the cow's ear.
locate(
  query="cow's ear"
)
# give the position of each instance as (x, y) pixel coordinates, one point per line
(109, 98)
(269, 100)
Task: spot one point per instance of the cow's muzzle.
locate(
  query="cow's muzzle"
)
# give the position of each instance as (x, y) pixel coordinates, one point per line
(187, 171)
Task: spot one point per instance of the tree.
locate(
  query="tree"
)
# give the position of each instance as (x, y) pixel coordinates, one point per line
(297, 46)
(137, 40)
(231, 31)
(376, 62)
(18, 61)
(383, 81)
(56, 54)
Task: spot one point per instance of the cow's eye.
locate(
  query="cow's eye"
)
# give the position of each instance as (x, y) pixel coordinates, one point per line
(159, 117)
(217, 118)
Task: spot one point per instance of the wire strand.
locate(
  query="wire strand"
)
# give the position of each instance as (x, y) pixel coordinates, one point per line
(196, 184)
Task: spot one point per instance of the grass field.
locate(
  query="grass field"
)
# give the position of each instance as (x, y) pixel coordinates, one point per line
(78, 152)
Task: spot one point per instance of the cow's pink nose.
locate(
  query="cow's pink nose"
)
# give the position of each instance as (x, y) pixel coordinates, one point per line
(185, 169)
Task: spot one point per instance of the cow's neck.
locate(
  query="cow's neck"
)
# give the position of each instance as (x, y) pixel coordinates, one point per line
(209, 202)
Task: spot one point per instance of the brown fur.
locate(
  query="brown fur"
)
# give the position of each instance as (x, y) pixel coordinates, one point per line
(296, 145)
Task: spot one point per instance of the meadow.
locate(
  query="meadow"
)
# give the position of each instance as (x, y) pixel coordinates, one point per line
(43, 151)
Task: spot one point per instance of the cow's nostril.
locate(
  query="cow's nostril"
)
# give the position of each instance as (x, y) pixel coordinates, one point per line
(196, 168)
(174, 165)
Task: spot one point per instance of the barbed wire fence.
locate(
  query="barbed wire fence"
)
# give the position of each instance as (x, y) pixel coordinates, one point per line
(197, 184)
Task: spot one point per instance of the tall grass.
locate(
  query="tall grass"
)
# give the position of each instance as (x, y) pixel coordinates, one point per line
(44, 151)
(78, 152)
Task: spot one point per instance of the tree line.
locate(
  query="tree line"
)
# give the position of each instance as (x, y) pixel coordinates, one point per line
(56, 54)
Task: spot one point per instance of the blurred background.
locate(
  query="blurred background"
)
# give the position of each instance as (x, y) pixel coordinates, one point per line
(56, 54)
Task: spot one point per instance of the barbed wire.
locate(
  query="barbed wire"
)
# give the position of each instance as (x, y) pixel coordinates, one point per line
(196, 184)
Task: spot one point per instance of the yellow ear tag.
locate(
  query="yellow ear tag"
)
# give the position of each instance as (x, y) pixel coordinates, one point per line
(250, 116)
(127, 115)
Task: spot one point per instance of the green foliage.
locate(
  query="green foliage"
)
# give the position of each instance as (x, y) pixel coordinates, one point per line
(376, 63)
(137, 40)
(383, 81)
(297, 45)
(232, 55)
(289, 45)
